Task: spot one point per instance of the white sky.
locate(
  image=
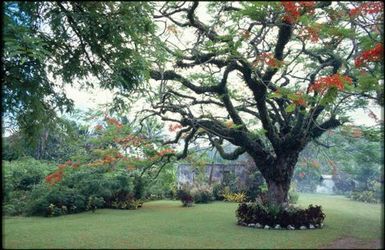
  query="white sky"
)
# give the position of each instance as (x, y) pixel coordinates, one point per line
(91, 99)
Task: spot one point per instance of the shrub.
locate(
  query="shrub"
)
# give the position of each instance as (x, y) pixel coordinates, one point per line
(364, 196)
(235, 197)
(25, 173)
(10, 209)
(185, 197)
(94, 202)
(47, 201)
(130, 204)
(218, 192)
(16, 202)
(202, 196)
(80, 189)
(255, 212)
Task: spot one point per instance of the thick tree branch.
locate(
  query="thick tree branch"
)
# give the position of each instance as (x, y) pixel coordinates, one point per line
(319, 130)
(228, 156)
(171, 75)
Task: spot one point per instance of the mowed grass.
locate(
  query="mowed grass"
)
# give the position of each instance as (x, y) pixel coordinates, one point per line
(165, 224)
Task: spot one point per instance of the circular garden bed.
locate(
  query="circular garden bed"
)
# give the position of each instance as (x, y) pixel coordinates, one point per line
(256, 215)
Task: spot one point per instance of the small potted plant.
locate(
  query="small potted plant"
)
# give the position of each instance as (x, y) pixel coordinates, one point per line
(185, 197)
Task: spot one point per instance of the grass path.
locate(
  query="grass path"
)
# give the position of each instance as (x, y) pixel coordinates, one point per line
(165, 224)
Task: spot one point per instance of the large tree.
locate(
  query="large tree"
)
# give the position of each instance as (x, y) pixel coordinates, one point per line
(288, 65)
(268, 77)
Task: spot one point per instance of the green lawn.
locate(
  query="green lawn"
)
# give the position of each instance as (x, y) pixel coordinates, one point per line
(165, 224)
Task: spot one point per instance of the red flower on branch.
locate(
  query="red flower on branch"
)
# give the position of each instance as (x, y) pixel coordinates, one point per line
(268, 58)
(372, 55)
(293, 10)
(167, 151)
(55, 177)
(312, 33)
(113, 121)
(174, 126)
(131, 140)
(98, 127)
(367, 8)
(338, 81)
(299, 100)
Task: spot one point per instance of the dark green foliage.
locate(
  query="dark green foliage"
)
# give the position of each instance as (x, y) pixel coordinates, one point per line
(94, 202)
(164, 186)
(85, 189)
(84, 39)
(272, 215)
(23, 174)
(19, 178)
(57, 141)
(46, 200)
(27, 192)
(9, 152)
(230, 180)
(255, 184)
(139, 187)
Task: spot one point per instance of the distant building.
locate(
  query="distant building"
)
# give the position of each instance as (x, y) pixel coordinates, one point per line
(326, 186)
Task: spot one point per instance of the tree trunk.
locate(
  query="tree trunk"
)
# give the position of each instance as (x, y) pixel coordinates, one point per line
(278, 178)
(277, 192)
(211, 174)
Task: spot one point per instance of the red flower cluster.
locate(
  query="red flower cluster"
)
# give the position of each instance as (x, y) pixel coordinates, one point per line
(113, 121)
(59, 173)
(98, 127)
(107, 159)
(166, 151)
(55, 177)
(312, 33)
(245, 34)
(372, 55)
(268, 58)
(130, 140)
(338, 81)
(293, 9)
(173, 127)
(367, 8)
(299, 100)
